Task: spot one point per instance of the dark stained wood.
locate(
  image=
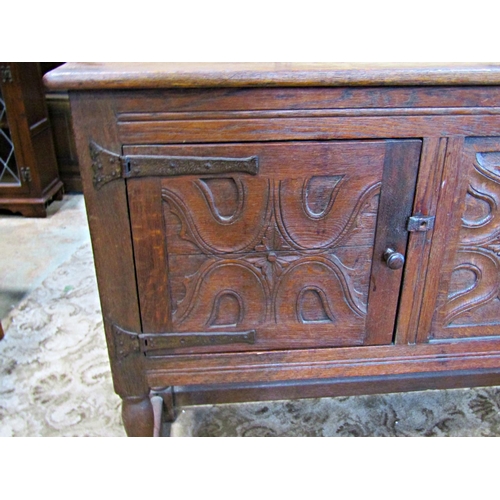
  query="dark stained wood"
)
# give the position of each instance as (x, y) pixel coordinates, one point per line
(284, 253)
(161, 75)
(429, 179)
(29, 128)
(64, 140)
(286, 129)
(345, 110)
(186, 104)
(145, 205)
(396, 200)
(468, 304)
(208, 254)
(226, 393)
(137, 415)
(108, 219)
(33, 207)
(448, 217)
(345, 362)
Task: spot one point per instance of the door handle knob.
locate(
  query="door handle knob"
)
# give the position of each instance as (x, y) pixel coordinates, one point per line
(393, 259)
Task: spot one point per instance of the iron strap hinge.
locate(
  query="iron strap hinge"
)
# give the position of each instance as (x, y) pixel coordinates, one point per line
(420, 223)
(127, 343)
(108, 166)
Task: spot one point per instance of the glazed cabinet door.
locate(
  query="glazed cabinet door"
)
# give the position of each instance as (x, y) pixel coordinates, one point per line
(12, 180)
(29, 175)
(468, 285)
(270, 245)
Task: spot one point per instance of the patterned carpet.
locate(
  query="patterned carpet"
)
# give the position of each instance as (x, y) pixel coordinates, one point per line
(55, 381)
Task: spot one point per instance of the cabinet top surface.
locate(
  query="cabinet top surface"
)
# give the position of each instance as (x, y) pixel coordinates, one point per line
(86, 76)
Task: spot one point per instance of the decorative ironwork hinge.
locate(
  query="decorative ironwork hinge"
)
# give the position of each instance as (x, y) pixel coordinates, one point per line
(26, 174)
(127, 343)
(420, 223)
(6, 74)
(108, 166)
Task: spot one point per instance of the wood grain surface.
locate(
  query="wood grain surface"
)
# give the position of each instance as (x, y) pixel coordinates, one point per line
(286, 252)
(468, 304)
(79, 76)
(292, 251)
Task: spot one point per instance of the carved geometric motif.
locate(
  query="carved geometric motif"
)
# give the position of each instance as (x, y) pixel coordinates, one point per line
(473, 296)
(268, 251)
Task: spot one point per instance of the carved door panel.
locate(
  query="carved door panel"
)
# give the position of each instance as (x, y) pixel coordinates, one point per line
(270, 246)
(468, 302)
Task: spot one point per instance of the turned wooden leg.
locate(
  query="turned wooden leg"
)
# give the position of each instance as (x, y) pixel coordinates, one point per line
(137, 415)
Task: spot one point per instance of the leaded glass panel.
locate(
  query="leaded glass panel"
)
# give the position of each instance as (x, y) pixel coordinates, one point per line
(9, 173)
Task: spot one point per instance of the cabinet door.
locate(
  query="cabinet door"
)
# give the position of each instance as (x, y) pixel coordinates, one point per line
(287, 255)
(468, 301)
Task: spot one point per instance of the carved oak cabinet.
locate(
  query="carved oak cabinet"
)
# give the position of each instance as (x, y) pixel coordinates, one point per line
(266, 231)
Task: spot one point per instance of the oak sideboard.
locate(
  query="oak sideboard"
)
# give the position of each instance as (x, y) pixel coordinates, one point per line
(273, 231)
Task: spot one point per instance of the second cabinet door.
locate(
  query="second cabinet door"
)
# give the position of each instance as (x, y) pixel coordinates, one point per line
(468, 282)
(271, 245)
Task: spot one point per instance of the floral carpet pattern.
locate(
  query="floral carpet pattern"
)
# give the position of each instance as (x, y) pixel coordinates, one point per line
(54, 370)
(55, 381)
(457, 412)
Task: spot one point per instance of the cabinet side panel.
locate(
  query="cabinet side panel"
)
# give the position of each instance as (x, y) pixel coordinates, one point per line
(44, 157)
(30, 81)
(107, 212)
(64, 141)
